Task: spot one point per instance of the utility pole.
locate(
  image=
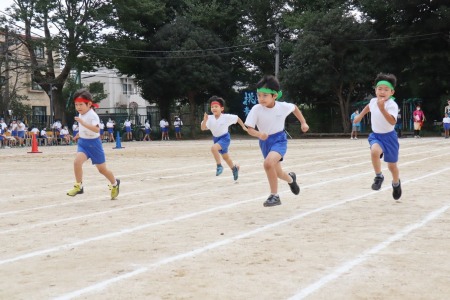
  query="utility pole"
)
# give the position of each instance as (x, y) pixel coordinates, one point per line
(277, 54)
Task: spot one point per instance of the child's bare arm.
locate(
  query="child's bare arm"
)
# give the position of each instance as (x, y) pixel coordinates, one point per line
(298, 114)
(359, 117)
(205, 119)
(242, 124)
(260, 135)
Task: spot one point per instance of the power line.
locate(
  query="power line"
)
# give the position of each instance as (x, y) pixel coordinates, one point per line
(182, 51)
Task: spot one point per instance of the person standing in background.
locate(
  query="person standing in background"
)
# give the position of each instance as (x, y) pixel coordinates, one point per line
(419, 118)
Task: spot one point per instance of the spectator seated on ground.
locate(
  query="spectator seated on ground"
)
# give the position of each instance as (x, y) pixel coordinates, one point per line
(47, 139)
(65, 136)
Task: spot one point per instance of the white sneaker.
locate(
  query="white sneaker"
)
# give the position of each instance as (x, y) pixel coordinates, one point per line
(355, 138)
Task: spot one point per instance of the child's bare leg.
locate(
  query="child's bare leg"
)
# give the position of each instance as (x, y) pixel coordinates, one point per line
(228, 160)
(394, 171)
(375, 152)
(271, 163)
(282, 174)
(105, 172)
(78, 166)
(215, 152)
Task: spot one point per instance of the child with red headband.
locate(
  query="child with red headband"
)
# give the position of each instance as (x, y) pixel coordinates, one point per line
(218, 123)
(383, 140)
(269, 116)
(89, 144)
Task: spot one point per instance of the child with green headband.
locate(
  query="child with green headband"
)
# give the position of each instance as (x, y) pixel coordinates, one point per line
(383, 140)
(269, 116)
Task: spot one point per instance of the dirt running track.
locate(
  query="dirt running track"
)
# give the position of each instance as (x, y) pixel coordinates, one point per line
(179, 232)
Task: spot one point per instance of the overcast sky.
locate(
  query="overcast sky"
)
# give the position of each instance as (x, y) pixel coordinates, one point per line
(5, 3)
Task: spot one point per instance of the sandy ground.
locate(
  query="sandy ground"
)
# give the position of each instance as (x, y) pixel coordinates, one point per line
(177, 231)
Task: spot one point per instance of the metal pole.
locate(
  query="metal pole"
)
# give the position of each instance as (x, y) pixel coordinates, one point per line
(51, 105)
(277, 54)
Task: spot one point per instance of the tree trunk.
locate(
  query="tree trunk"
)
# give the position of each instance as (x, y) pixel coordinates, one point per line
(192, 107)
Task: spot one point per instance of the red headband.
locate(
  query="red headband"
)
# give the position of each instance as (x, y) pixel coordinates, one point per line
(216, 103)
(80, 99)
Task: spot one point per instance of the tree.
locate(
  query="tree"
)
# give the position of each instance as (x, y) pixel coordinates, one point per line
(417, 40)
(71, 28)
(329, 63)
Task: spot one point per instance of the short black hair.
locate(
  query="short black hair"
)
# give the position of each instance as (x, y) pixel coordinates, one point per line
(388, 77)
(83, 93)
(269, 81)
(218, 99)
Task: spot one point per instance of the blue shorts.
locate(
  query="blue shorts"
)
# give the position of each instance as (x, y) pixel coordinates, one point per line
(75, 133)
(147, 131)
(93, 149)
(276, 142)
(388, 143)
(111, 130)
(447, 126)
(14, 133)
(21, 134)
(177, 129)
(101, 131)
(128, 129)
(224, 142)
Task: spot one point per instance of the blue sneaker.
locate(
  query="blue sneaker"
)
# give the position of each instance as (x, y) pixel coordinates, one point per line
(219, 170)
(235, 172)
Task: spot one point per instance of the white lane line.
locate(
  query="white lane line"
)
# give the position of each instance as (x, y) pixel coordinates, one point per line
(103, 284)
(338, 272)
(120, 209)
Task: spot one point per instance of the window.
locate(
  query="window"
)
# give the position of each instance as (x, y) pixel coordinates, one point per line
(34, 85)
(126, 89)
(39, 52)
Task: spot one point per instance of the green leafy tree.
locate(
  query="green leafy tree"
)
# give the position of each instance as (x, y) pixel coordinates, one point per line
(330, 62)
(416, 36)
(78, 26)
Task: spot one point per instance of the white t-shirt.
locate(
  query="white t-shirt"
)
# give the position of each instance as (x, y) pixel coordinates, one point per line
(90, 118)
(102, 125)
(220, 125)
(3, 125)
(147, 125)
(446, 120)
(269, 120)
(127, 124)
(75, 127)
(43, 133)
(64, 131)
(35, 130)
(162, 123)
(110, 124)
(379, 122)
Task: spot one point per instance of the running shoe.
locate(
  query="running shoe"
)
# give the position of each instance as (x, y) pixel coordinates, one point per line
(377, 181)
(235, 172)
(219, 170)
(293, 185)
(397, 190)
(77, 189)
(272, 200)
(115, 190)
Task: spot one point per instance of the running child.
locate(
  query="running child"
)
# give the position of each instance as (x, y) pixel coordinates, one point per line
(383, 140)
(269, 116)
(218, 123)
(89, 144)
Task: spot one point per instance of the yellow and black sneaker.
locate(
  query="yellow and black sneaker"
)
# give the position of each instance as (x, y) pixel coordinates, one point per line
(77, 189)
(114, 190)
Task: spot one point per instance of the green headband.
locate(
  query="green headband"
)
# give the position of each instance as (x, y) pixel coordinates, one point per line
(386, 83)
(270, 91)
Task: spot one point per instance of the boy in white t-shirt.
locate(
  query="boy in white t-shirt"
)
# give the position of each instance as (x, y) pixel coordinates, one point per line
(89, 144)
(269, 117)
(218, 123)
(384, 140)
